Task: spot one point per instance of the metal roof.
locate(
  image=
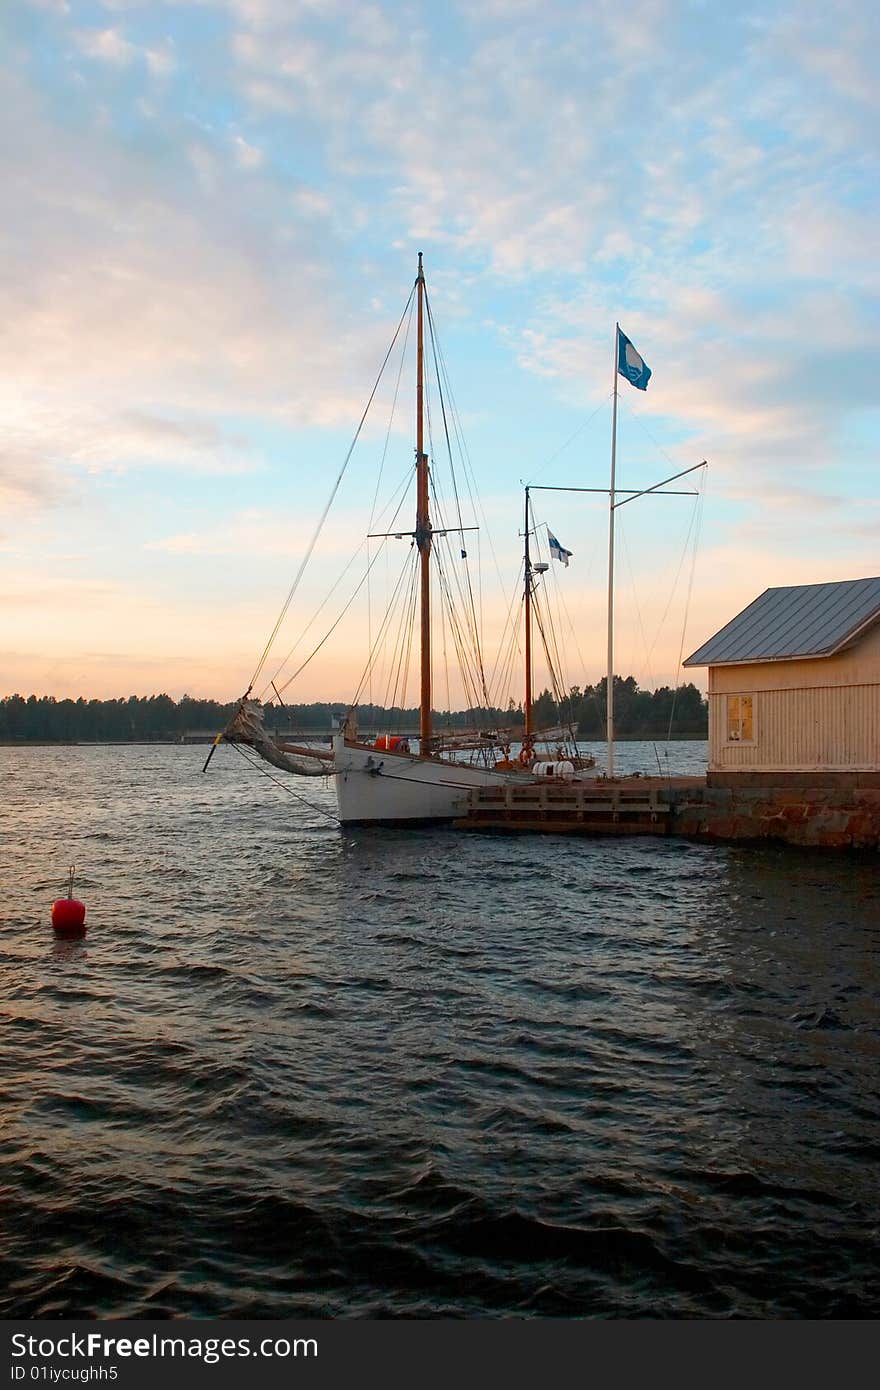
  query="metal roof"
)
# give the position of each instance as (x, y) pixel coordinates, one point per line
(803, 620)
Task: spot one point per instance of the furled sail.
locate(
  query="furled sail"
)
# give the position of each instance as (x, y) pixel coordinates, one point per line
(247, 727)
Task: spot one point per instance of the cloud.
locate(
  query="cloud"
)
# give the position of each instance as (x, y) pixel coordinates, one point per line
(179, 258)
(161, 61)
(260, 531)
(142, 305)
(27, 482)
(44, 448)
(105, 45)
(247, 156)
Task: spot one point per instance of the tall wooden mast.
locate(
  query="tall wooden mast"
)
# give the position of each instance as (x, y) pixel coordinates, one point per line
(527, 711)
(423, 526)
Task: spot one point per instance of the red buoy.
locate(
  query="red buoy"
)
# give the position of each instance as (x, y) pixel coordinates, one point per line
(68, 914)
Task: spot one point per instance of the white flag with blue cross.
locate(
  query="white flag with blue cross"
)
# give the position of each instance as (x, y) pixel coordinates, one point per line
(557, 551)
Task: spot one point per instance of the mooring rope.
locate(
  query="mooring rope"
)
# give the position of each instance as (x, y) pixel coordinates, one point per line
(256, 763)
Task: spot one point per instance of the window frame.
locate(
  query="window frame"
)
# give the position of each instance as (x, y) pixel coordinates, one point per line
(738, 741)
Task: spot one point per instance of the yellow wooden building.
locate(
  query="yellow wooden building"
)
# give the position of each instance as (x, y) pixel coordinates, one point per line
(794, 686)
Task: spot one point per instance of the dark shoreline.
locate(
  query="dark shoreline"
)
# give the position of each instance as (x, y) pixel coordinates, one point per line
(187, 742)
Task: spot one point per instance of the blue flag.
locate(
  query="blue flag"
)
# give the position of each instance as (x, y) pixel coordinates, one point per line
(631, 364)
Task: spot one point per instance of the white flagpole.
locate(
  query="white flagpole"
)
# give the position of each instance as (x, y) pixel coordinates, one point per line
(609, 693)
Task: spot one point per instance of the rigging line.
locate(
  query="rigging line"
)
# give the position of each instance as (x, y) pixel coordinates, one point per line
(373, 648)
(564, 703)
(447, 608)
(444, 546)
(551, 592)
(442, 373)
(445, 654)
(563, 608)
(467, 648)
(470, 476)
(322, 605)
(682, 558)
(314, 652)
(320, 526)
(508, 647)
(403, 628)
(480, 586)
(635, 415)
(550, 642)
(441, 540)
(370, 615)
(551, 654)
(459, 637)
(624, 545)
(512, 653)
(400, 691)
(437, 369)
(564, 672)
(400, 610)
(470, 654)
(400, 494)
(585, 572)
(398, 646)
(554, 679)
(562, 448)
(649, 648)
(382, 469)
(556, 663)
(466, 655)
(467, 617)
(393, 411)
(554, 594)
(510, 683)
(255, 763)
(434, 349)
(407, 654)
(447, 782)
(501, 679)
(687, 608)
(372, 655)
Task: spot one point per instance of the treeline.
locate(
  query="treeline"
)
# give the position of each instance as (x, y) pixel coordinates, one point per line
(637, 714)
(137, 719)
(661, 713)
(158, 717)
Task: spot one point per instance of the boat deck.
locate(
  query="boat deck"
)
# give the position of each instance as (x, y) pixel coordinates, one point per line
(623, 806)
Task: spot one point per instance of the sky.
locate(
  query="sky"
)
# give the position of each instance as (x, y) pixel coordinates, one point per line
(211, 215)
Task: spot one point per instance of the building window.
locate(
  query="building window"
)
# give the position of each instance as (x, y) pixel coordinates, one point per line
(740, 719)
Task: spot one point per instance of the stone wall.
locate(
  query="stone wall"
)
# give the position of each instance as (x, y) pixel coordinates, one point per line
(830, 817)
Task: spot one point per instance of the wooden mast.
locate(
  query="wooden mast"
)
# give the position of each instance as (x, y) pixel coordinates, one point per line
(527, 711)
(423, 528)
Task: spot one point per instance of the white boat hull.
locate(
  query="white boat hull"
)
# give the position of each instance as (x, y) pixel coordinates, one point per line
(382, 788)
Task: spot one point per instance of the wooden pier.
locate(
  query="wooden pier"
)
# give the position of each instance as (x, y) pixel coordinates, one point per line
(628, 806)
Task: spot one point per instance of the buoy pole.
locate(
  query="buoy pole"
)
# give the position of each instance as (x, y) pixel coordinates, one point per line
(69, 914)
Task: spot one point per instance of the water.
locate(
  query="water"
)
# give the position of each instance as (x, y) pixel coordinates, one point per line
(298, 1072)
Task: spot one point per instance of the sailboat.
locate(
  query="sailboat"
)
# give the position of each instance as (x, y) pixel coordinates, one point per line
(386, 781)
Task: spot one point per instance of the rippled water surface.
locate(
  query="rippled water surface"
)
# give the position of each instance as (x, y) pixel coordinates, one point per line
(298, 1072)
